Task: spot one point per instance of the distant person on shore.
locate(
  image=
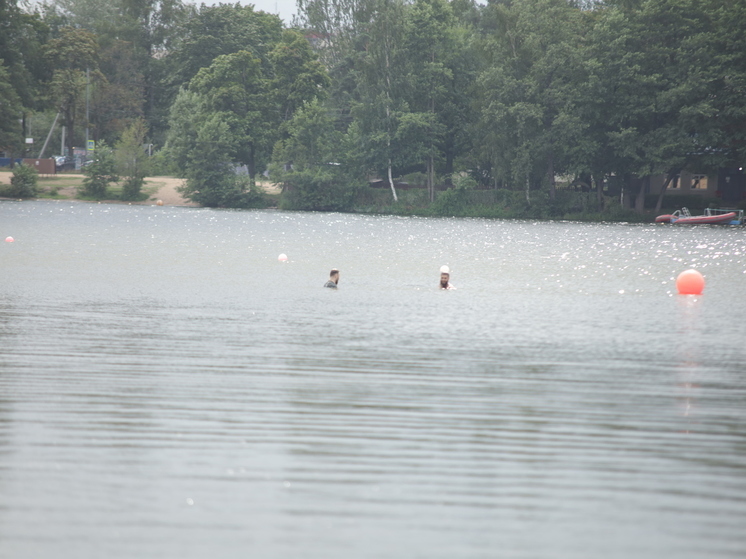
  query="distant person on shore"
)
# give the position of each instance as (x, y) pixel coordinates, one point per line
(333, 279)
(445, 276)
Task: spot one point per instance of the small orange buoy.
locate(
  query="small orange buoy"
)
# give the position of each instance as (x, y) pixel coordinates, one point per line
(159, 203)
(690, 282)
(9, 239)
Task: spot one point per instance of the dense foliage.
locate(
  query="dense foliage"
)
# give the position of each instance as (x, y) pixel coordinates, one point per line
(132, 161)
(513, 94)
(23, 183)
(101, 172)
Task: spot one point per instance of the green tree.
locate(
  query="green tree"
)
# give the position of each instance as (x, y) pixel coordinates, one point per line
(307, 163)
(187, 114)
(237, 93)
(455, 109)
(337, 25)
(211, 180)
(210, 176)
(299, 77)
(312, 140)
(528, 94)
(399, 71)
(74, 57)
(654, 108)
(21, 63)
(380, 84)
(427, 41)
(101, 172)
(712, 54)
(200, 142)
(151, 29)
(97, 16)
(134, 36)
(23, 183)
(11, 134)
(131, 159)
(22, 36)
(219, 30)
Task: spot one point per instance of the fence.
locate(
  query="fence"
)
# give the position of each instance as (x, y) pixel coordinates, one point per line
(42, 166)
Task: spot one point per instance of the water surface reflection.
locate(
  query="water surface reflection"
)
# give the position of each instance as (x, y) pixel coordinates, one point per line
(168, 388)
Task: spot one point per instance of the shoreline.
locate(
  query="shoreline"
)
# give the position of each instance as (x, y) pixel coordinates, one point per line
(159, 188)
(164, 189)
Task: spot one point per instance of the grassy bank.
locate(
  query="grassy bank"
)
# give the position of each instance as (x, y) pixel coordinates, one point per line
(504, 204)
(66, 186)
(454, 202)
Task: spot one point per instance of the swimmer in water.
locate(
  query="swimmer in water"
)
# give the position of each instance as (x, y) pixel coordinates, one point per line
(445, 275)
(333, 279)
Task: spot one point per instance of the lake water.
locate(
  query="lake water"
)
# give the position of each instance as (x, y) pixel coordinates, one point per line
(169, 389)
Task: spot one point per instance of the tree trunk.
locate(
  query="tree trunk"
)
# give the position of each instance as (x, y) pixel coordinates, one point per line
(528, 187)
(70, 120)
(669, 178)
(391, 182)
(388, 118)
(550, 173)
(640, 199)
(431, 178)
(431, 161)
(599, 193)
(24, 124)
(251, 164)
(449, 149)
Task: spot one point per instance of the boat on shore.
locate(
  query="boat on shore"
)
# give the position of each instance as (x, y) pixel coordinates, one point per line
(711, 216)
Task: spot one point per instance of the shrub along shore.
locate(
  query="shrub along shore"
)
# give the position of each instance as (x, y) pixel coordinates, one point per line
(569, 204)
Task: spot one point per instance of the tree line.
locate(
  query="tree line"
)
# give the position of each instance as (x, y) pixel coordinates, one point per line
(506, 96)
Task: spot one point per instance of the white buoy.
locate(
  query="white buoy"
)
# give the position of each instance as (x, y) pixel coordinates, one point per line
(283, 257)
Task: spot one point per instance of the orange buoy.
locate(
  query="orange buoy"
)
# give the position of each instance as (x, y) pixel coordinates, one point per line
(690, 282)
(9, 239)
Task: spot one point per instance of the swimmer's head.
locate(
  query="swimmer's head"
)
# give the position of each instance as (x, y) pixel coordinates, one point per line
(445, 274)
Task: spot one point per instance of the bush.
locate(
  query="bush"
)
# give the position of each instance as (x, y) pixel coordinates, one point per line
(415, 179)
(99, 173)
(132, 163)
(23, 183)
(164, 164)
(380, 200)
(464, 181)
(456, 201)
(497, 203)
(132, 189)
(316, 190)
(245, 194)
(696, 202)
(451, 203)
(217, 186)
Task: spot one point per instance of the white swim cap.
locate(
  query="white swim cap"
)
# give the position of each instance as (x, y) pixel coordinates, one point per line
(445, 270)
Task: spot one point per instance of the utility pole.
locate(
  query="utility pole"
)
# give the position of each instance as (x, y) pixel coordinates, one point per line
(44, 147)
(87, 88)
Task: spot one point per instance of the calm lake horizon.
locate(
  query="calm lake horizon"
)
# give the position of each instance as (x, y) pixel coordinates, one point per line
(169, 389)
